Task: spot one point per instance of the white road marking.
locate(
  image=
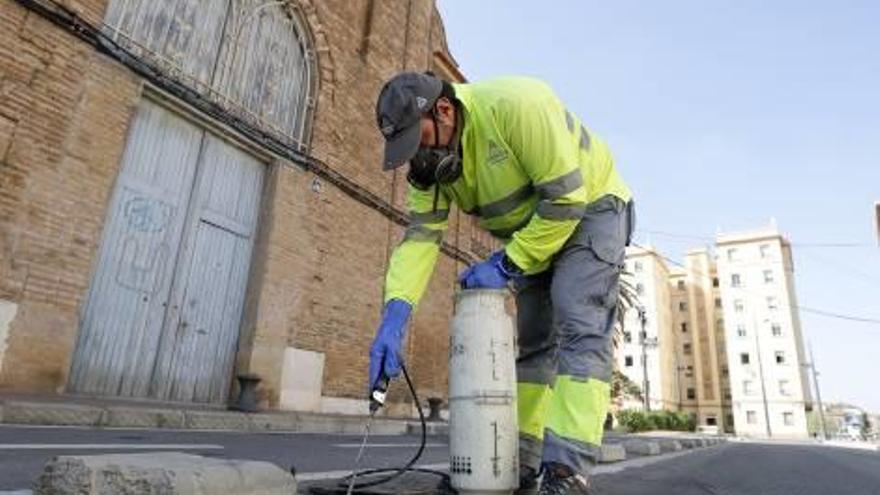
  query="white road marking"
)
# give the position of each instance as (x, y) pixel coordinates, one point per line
(107, 446)
(329, 475)
(387, 445)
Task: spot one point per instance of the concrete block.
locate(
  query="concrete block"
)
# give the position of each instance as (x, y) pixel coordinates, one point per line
(302, 378)
(170, 473)
(216, 420)
(613, 452)
(641, 447)
(46, 413)
(669, 445)
(689, 443)
(136, 417)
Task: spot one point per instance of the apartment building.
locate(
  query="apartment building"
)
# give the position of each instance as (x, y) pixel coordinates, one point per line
(643, 357)
(765, 352)
(700, 361)
(724, 337)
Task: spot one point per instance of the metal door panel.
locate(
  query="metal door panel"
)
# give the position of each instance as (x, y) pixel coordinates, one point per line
(203, 326)
(122, 317)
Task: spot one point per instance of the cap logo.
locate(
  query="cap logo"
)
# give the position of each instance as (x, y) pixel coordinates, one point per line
(388, 130)
(421, 102)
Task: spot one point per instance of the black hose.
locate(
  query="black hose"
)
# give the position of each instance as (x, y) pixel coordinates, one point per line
(398, 472)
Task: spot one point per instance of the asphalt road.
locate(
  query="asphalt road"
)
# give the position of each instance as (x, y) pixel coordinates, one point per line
(731, 469)
(752, 469)
(24, 451)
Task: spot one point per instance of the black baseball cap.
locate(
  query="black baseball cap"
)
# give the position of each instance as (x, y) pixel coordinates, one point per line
(400, 106)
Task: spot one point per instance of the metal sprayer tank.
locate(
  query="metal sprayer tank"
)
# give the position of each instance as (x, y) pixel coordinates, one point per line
(484, 457)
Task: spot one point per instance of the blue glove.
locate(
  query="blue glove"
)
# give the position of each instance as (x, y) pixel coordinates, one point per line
(494, 273)
(385, 355)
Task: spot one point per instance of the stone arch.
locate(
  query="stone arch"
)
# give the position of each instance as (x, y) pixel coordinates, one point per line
(324, 76)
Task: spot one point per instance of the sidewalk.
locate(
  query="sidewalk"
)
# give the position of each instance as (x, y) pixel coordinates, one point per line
(73, 411)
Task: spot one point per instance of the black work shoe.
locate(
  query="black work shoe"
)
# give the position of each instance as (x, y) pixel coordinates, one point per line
(559, 480)
(528, 481)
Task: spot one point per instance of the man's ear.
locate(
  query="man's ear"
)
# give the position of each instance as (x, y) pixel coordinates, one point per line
(444, 111)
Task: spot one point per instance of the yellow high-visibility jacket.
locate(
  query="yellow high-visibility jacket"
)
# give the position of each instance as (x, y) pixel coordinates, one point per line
(530, 168)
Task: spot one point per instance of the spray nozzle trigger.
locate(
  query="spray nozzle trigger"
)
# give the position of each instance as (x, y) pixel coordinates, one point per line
(377, 395)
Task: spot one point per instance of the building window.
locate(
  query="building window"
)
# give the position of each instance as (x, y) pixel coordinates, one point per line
(744, 358)
(715, 282)
(637, 266)
(687, 349)
(783, 387)
(747, 387)
(772, 305)
(751, 417)
(740, 330)
(727, 395)
(711, 421)
(738, 305)
(684, 328)
(627, 337)
(765, 250)
(732, 254)
(719, 325)
(768, 276)
(689, 371)
(735, 280)
(780, 357)
(681, 285)
(628, 361)
(691, 394)
(682, 306)
(725, 371)
(776, 328)
(788, 418)
(717, 302)
(640, 289)
(247, 57)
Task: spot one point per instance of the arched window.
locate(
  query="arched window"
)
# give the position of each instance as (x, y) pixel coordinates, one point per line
(252, 57)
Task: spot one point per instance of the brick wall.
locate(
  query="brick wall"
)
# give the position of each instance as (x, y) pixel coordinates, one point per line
(317, 274)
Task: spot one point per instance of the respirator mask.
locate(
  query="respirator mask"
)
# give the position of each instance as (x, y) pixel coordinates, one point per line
(436, 165)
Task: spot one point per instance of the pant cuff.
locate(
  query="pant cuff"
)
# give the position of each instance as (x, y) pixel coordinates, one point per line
(577, 455)
(530, 451)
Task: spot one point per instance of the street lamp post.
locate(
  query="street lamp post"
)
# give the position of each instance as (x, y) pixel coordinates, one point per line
(645, 342)
(818, 394)
(761, 376)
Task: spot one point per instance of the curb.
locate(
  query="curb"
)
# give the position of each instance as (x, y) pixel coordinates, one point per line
(669, 445)
(431, 429)
(60, 414)
(163, 472)
(611, 452)
(641, 447)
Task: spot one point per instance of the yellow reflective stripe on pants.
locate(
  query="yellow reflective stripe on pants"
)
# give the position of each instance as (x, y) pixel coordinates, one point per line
(578, 408)
(532, 400)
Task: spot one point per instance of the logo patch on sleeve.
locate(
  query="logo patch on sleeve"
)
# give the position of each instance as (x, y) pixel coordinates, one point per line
(495, 153)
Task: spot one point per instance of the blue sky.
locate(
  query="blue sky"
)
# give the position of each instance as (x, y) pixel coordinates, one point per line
(723, 115)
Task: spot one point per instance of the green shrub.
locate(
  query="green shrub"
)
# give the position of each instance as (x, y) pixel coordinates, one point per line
(635, 421)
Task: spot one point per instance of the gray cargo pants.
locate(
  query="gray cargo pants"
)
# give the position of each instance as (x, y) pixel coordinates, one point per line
(565, 319)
